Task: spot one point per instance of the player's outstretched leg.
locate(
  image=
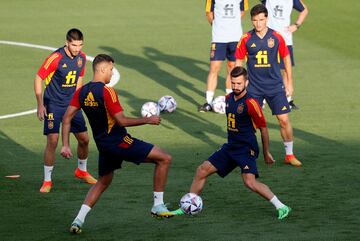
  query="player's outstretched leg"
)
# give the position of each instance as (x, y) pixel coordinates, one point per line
(202, 172)
(92, 197)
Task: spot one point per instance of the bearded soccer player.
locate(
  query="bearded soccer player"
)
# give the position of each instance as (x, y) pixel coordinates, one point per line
(108, 121)
(261, 48)
(62, 72)
(244, 114)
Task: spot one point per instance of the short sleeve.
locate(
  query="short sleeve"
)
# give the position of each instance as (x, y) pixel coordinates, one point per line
(50, 65)
(111, 101)
(75, 99)
(255, 113)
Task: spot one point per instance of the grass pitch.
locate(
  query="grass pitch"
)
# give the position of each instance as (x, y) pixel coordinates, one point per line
(161, 48)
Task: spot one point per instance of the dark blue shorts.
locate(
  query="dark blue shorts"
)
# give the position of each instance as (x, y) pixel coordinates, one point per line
(278, 103)
(220, 51)
(54, 118)
(228, 157)
(291, 52)
(130, 149)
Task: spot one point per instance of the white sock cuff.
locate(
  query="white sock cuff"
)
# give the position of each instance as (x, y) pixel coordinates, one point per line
(276, 202)
(158, 198)
(82, 164)
(83, 212)
(47, 173)
(288, 145)
(209, 96)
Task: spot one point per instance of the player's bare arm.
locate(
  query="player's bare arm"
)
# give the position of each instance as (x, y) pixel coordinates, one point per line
(289, 86)
(266, 146)
(210, 17)
(79, 83)
(300, 19)
(65, 131)
(239, 62)
(41, 111)
(124, 121)
(242, 14)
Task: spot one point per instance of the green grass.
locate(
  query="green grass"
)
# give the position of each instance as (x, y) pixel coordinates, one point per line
(161, 47)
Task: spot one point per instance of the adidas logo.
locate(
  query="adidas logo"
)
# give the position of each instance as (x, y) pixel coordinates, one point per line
(284, 108)
(246, 167)
(64, 65)
(253, 45)
(90, 100)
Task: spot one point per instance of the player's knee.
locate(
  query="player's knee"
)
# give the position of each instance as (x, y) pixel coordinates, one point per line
(284, 122)
(52, 143)
(83, 140)
(202, 171)
(166, 160)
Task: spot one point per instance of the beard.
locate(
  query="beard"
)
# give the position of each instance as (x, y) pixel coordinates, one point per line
(238, 92)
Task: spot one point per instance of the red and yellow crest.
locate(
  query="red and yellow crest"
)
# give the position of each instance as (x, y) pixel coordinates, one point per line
(79, 62)
(271, 42)
(50, 125)
(240, 108)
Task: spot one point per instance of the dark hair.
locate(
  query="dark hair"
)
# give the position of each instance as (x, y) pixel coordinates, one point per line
(238, 71)
(257, 9)
(74, 34)
(101, 58)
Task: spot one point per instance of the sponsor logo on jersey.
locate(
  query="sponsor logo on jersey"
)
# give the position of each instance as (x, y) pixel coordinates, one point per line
(79, 62)
(90, 100)
(271, 42)
(240, 108)
(64, 65)
(253, 45)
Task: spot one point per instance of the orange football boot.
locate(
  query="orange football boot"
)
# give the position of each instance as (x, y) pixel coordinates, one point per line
(85, 176)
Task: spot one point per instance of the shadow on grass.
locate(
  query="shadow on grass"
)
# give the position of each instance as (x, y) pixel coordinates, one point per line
(151, 70)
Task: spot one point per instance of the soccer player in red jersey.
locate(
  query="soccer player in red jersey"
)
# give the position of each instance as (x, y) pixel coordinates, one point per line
(62, 72)
(107, 120)
(261, 48)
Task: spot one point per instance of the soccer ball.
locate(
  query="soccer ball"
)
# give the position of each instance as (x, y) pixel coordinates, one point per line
(167, 103)
(191, 203)
(150, 108)
(219, 104)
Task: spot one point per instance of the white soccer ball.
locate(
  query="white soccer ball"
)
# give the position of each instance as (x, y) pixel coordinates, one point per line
(191, 203)
(150, 108)
(219, 104)
(167, 103)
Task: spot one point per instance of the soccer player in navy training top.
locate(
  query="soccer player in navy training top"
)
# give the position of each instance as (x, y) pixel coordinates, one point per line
(107, 120)
(262, 47)
(62, 71)
(244, 114)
